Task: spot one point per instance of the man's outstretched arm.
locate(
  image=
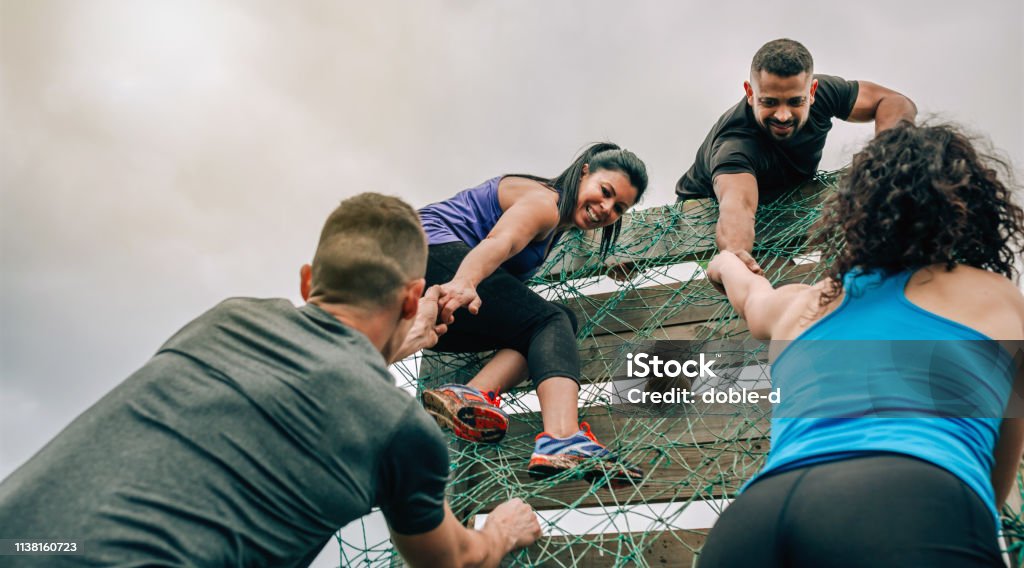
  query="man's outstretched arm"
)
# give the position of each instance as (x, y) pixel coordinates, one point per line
(885, 106)
(509, 526)
(425, 330)
(737, 205)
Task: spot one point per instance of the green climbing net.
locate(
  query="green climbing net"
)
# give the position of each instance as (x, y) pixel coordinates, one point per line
(699, 455)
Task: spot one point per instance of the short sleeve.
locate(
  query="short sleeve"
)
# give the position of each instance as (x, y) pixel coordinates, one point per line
(733, 155)
(413, 474)
(836, 96)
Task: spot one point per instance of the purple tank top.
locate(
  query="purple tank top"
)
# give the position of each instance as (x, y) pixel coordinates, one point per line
(469, 216)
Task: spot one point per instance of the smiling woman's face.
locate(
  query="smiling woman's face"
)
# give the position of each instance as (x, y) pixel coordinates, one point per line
(603, 196)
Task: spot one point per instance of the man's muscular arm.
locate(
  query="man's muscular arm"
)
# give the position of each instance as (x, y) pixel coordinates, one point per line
(885, 106)
(737, 205)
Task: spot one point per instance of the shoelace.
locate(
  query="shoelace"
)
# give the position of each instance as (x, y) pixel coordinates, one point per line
(493, 397)
(584, 427)
(586, 432)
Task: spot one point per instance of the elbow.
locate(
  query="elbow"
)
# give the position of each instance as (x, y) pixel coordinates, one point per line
(912, 108)
(760, 333)
(754, 313)
(506, 247)
(757, 327)
(475, 559)
(908, 110)
(474, 552)
(894, 110)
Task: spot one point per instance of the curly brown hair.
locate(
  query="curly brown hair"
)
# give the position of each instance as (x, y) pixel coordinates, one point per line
(918, 195)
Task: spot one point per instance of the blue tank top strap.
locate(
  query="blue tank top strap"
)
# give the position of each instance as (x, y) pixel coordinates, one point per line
(858, 282)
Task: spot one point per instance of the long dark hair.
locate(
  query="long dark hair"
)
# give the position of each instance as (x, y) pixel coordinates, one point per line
(921, 195)
(600, 156)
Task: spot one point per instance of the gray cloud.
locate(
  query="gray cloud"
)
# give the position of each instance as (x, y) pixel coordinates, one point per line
(160, 156)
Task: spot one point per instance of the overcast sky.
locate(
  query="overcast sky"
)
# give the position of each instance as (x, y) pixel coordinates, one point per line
(159, 156)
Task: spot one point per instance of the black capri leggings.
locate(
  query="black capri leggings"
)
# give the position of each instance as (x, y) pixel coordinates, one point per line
(511, 316)
(877, 511)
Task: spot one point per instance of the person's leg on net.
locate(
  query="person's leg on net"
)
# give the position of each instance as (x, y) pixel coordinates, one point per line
(506, 370)
(566, 443)
(473, 411)
(506, 320)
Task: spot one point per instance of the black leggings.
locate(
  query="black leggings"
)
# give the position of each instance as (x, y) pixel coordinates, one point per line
(874, 511)
(511, 316)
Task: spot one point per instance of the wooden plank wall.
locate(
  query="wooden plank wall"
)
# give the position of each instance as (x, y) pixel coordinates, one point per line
(717, 445)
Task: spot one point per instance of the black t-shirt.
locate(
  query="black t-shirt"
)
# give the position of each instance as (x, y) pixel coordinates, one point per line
(737, 144)
(254, 434)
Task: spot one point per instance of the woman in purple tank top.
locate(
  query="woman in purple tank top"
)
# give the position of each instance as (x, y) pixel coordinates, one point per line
(902, 454)
(484, 243)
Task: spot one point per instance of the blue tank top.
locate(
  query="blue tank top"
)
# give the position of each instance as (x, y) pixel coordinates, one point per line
(882, 375)
(469, 216)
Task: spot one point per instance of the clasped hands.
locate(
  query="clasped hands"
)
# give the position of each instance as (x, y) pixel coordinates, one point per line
(435, 313)
(726, 258)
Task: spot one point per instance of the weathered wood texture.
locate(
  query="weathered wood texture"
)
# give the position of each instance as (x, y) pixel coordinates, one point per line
(683, 232)
(716, 446)
(602, 352)
(667, 549)
(688, 451)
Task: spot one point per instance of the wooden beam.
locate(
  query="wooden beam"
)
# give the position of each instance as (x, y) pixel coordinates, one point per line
(639, 308)
(667, 549)
(697, 451)
(602, 351)
(671, 234)
(603, 357)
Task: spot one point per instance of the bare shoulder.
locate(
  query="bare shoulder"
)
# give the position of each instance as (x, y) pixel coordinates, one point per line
(983, 300)
(515, 189)
(804, 309)
(529, 210)
(967, 282)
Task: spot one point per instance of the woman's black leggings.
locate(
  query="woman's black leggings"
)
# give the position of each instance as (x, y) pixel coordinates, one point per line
(881, 510)
(511, 316)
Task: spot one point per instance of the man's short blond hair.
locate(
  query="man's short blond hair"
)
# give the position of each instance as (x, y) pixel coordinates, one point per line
(370, 247)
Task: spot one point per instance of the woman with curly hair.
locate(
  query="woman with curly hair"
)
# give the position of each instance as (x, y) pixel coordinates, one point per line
(893, 443)
(485, 242)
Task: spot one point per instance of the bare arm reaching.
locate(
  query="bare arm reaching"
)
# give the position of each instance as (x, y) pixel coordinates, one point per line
(531, 215)
(885, 106)
(425, 330)
(737, 205)
(751, 295)
(511, 525)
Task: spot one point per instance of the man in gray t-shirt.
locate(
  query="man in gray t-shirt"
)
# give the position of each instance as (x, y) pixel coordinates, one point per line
(260, 429)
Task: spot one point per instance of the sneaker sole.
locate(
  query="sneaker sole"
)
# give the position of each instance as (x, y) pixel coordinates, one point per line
(472, 423)
(543, 467)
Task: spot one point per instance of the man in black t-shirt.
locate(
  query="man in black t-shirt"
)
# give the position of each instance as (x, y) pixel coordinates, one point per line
(259, 429)
(771, 141)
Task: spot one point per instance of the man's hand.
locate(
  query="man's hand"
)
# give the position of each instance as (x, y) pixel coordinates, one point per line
(717, 264)
(509, 526)
(514, 524)
(748, 260)
(425, 331)
(457, 294)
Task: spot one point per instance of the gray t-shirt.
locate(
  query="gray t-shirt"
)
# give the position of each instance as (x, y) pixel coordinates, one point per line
(254, 433)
